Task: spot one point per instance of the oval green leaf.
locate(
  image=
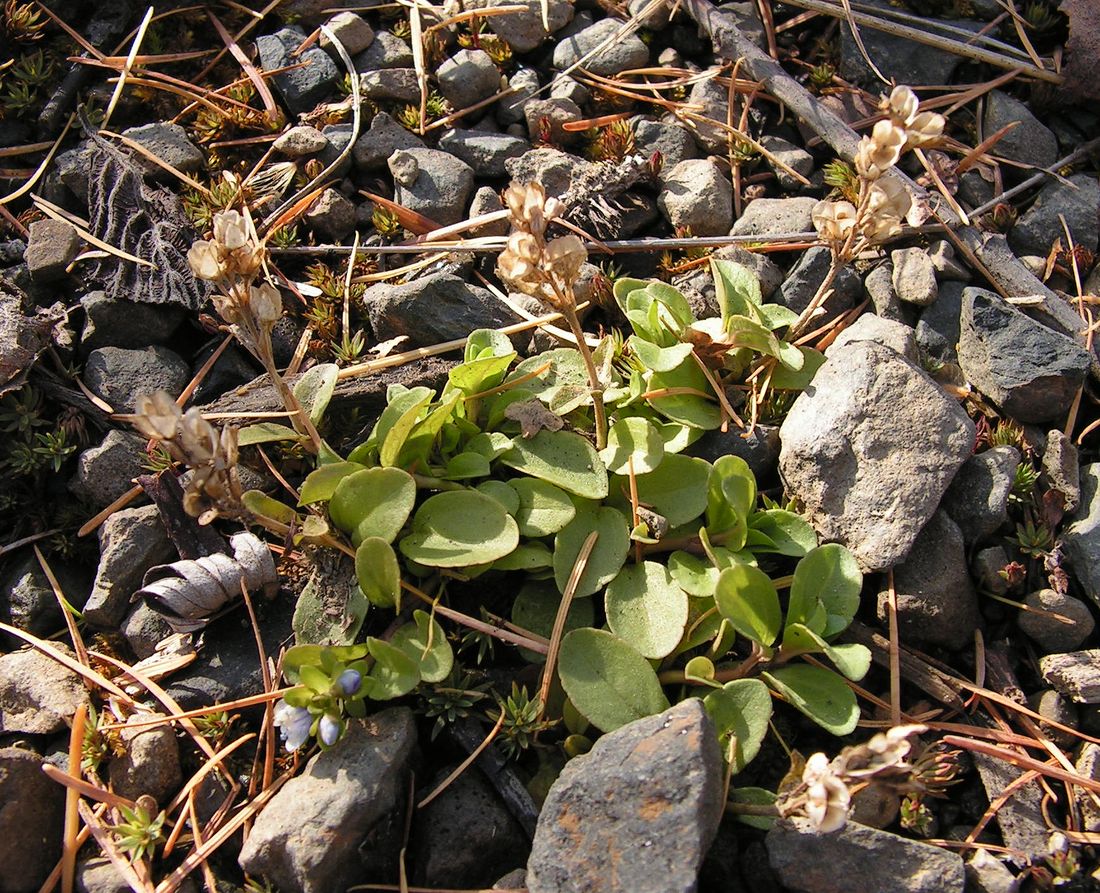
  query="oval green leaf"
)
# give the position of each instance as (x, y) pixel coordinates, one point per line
(818, 693)
(563, 458)
(536, 608)
(646, 609)
(740, 710)
(314, 389)
(607, 556)
(378, 572)
(608, 682)
(543, 509)
(634, 440)
(828, 575)
(458, 528)
(320, 484)
(425, 642)
(373, 502)
(394, 673)
(746, 597)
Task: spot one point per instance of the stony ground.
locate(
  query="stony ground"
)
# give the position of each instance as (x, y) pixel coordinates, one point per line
(948, 441)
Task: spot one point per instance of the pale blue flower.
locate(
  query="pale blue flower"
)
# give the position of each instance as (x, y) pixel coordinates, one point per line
(328, 730)
(349, 682)
(293, 724)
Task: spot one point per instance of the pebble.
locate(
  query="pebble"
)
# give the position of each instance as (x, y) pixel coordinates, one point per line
(467, 78)
(301, 87)
(524, 83)
(151, 763)
(121, 375)
(978, 496)
(1081, 536)
(794, 157)
(775, 216)
(871, 449)
(564, 87)
(1029, 142)
(869, 327)
(696, 197)
(385, 137)
(940, 325)
(114, 322)
(1077, 201)
(637, 813)
(1061, 469)
(1052, 706)
(432, 183)
(1050, 633)
(331, 216)
(1076, 674)
(1030, 371)
(353, 32)
(486, 153)
(106, 471)
(760, 449)
(914, 276)
(385, 51)
(170, 144)
(144, 629)
(546, 119)
(879, 286)
(27, 601)
(38, 695)
(307, 839)
(51, 247)
(942, 255)
(31, 821)
(485, 201)
(552, 168)
(672, 140)
(986, 567)
(712, 101)
(385, 84)
(523, 30)
(301, 141)
(806, 276)
(988, 874)
(614, 52)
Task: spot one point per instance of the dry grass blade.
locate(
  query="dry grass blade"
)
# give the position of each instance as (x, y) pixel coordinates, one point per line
(77, 37)
(416, 40)
(247, 67)
(859, 41)
(85, 789)
(67, 610)
(69, 844)
(124, 500)
(465, 764)
(124, 73)
(413, 221)
(41, 169)
(204, 769)
(62, 658)
(256, 18)
(103, 837)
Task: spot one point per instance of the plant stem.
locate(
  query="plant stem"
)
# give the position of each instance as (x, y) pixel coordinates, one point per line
(569, 309)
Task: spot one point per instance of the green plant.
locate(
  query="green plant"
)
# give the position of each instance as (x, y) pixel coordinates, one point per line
(142, 831)
(451, 700)
(521, 721)
(1034, 540)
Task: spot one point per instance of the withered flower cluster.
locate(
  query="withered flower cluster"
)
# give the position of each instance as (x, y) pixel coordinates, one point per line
(214, 488)
(883, 202)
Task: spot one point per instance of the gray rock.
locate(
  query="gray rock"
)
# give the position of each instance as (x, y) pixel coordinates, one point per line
(869, 327)
(794, 157)
(656, 19)
(1081, 537)
(486, 153)
(111, 322)
(170, 144)
(1056, 709)
(468, 77)
(672, 140)
(942, 255)
(914, 276)
(51, 247)
(936, 603)
(696, 197)
(858, 857)
(32, 809)
(775, 216)
(1030, 371)
(713, 103)
(564, 87)
(301, 141)
(99, 875)
(987, 874)
(546, 119)
(552, 168)
(805, 278)
(524, 83)
(760, 449)
(901, 60)
(1030, 142)
(151, 763)
(637, 813)
(1021, 815)
(523, 31)
(231, 370)
(384, 138)
(1088, 766)
(26, 598)
(1078, 201)
(879, 285)
(386, 84)
(144, 629)
(353, 32)
(939, 325)
(1076, 674)
(974, 189)
(106, 471)
(870, 447)
(513, 880)
(38, 695)
(485, 201)
(307, 839)
(303, 87)
(130, 542)
(331, 216)
(120, 375)
(986, 569)
(432, 183)
(977, 499)
(465, 838)
(1061, 470)
(746, 16)
(612, 51)
(386, 51)
(439, 307)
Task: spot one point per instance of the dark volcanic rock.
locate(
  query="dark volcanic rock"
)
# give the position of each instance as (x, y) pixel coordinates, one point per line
(31, 811)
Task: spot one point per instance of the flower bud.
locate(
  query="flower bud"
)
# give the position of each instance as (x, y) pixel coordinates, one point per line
(328, 730)
(266, 303)
(565, 257)
(349, 682)
(902, 105)
(204, 261)
(230, 230)
(157, 416)
(834, 220)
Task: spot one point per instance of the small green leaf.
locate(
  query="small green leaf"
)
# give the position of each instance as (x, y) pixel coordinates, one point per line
(264, 506)
(754, 797)
(459, 528)
(693, 574)
(828, 575)
(422, 438)
(398, 401)
(543, 509)
(622, 288)
(502, 492)
(740, 710)
(320, 484)
(425, 642)
(646, 609)
(677, 488)
(314, 389)
(465, 466)
(634, 440)
(529, 556)
(300, 656)
(736, 288)
(820, 694)
(566, 369)
(378, 572)
(786, 379)
(394, 673)
(690, 400)
(608, 682)
(563, 458)
(700, 669)
(785, 532)
(478, 375)
(607, 556)
(265, 432)
(731, 498)
(400, 429)
(659, 359)
(488, 342)
(776, 316)
(746, 597)
(373, 502)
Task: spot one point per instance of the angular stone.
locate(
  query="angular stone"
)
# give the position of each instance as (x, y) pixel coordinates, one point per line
(805, 278)
(936, 603)
(467, 78)
(1029, 142)
(636, 813)
(524, 84)
(120, 376)
(130, 542)
(546, 120)
(1020, 817)
(170, 144)
(696, 197)
(869, 327)
(760, 450)
(900, 59)
(810, 862)
(106, 471)
(712, 100)
(914, 276)
(612, 50)
(938, 329)
(151, 763)
(432, 183)
(794, 157)
(977, 499)
(32, 809)
(485, 201)
(308, 837)
(27, 600)
(52, 246)
(1078, 201)
(1081, 537)
(523, 31)
(1076, 674)
(353, 32)
(301, 141)
(111, 322)
(301, 87)
(386, 51)
(384, 138)
(554, 169)
(988, 874)
(869, 448)
(38, 696)
(331, 216)
(486, 153)
(386, 84)
(879, 285)
(672, 140)
(775, 216)
(1061, 469)
(1030, 371)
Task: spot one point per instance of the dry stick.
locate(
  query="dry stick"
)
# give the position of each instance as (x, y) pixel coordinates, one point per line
(465, 764)
(1037, 178)
(895, 651)
(110, 850)
(72, 798)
